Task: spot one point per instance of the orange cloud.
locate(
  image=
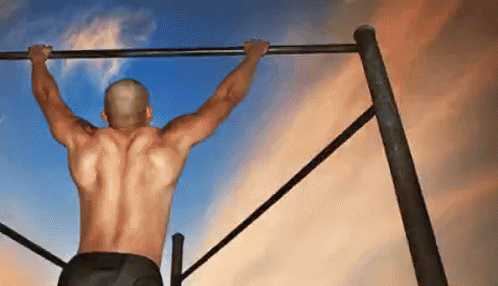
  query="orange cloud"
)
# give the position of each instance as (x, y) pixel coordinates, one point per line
(342, 223)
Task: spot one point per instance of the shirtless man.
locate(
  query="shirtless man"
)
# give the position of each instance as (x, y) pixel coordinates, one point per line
(126, 173)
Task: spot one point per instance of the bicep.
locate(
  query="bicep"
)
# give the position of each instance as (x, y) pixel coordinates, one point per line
(66, 131)
(62, 122)
(191, 129)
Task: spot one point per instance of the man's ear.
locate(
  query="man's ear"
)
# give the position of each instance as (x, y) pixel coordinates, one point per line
(149, 114)
(104, 116)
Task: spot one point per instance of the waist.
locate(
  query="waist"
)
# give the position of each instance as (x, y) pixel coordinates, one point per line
(112, 259)
(152, 251)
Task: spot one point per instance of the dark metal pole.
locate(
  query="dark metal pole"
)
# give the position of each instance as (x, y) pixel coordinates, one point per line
(33, 247)
(324, 154)
(176, 260)
(421, 240)
(185, 52)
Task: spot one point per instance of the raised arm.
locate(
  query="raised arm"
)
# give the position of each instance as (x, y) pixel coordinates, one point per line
(194, 128)
(61, 120)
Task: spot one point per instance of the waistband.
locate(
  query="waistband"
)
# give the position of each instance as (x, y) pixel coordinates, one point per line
(111, 259)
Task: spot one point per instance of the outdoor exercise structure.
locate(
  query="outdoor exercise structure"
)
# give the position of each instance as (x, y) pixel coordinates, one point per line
(420, 235)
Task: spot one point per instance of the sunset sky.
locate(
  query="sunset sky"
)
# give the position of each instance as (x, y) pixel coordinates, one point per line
(341, 225)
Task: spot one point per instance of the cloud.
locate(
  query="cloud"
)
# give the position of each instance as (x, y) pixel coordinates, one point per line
(118, 28)
(341, 225)
(98, 27)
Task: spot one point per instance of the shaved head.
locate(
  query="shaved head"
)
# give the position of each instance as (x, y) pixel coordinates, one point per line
(125, 103)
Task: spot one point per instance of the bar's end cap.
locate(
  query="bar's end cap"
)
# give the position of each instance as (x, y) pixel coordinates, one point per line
(364, 29)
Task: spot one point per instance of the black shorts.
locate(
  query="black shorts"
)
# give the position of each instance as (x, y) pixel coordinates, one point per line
(110, 268)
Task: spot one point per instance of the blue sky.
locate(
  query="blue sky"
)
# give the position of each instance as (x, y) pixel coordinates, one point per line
(34, 165)
(177, 86)
(339, 226)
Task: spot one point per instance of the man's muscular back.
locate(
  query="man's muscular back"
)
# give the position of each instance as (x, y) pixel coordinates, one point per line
(126, 184)
(126, 180)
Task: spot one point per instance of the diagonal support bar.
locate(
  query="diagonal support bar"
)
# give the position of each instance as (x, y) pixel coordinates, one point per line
(186, 52)
(421, 240)
(33, 247)
(324, 154)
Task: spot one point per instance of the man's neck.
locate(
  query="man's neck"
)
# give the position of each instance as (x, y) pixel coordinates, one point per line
(130, 129)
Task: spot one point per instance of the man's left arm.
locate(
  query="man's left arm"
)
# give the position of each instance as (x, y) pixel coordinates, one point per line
(62, 122)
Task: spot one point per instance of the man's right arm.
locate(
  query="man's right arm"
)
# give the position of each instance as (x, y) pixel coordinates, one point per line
(194, 128)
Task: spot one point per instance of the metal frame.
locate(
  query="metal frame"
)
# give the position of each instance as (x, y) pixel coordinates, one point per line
(184, 52)
(420, 235)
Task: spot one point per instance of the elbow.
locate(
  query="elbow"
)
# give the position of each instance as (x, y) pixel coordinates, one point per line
(40, 90)
(39, 93)
(37, 88)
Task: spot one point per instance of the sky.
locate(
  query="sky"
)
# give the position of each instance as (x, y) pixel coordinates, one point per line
(341, 225)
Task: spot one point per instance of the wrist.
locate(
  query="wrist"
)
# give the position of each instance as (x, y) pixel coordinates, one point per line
(38, 60)
(254, 57)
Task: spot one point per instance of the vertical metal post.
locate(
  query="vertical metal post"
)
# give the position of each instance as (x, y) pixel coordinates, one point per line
(421, 240)
(176, 260)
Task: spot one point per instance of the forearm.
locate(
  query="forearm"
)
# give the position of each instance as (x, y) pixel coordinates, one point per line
(41, 80)
(237, 83)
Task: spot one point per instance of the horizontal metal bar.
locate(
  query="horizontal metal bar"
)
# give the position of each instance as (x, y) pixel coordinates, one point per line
(324, 154)
(33, 247)
(184, 52)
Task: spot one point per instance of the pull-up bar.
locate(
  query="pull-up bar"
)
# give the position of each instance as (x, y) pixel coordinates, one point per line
(185, 52)
(418, 229)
